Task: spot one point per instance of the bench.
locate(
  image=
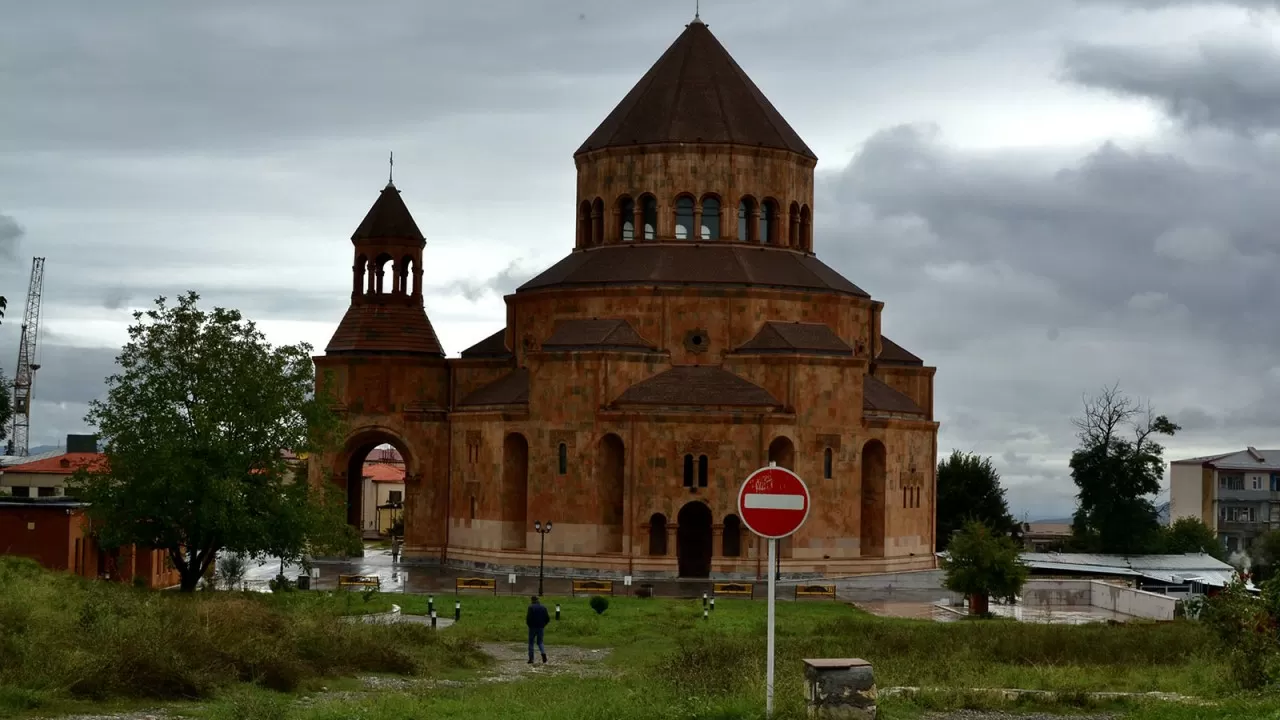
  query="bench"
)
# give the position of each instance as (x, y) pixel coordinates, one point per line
(364, 581)
(811, 591)
(734, 589)
(592, 586)
(475, 583)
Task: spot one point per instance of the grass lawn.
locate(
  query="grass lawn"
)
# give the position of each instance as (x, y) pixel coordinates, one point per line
(70, 645)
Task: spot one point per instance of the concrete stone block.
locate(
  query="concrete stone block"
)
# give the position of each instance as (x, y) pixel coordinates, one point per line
(843, 689)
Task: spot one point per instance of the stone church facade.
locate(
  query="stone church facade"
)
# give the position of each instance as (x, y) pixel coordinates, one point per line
(689, 337)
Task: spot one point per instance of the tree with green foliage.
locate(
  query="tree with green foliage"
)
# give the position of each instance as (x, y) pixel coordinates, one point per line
(1117, 475)
(981, 564)
(1266, 555)
(969, 489)
(1191, 535)
(195, 424)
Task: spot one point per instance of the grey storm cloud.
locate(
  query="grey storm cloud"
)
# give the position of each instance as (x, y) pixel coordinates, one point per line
(10, 233)
(1226, 84)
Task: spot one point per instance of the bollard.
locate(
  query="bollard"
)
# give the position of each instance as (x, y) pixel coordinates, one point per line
(704, 599)
(431, 604)
(843, 689)
(433, 619)
(705, 615)
(713, 603)
(557, 611)
(457, 611)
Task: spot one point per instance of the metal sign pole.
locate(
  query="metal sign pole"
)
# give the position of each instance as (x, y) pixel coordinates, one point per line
(768, 677)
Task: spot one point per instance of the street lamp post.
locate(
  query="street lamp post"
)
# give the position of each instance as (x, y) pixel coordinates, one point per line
(542, 530)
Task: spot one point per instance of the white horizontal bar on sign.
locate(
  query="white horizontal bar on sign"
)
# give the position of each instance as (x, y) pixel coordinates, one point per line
(758, 501)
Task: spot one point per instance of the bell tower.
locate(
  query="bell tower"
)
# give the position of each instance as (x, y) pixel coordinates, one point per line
(387, 315)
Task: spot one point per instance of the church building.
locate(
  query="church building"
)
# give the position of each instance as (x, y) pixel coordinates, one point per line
(689, 336)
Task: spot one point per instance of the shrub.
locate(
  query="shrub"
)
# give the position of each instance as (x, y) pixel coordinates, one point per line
(1246, 627)
(62, 634)
(599, 603)
(231, 570)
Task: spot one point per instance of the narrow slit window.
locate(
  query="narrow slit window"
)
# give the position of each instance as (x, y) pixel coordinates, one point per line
(826, 464)
(688, 470)
(563, 459)
(702, 471)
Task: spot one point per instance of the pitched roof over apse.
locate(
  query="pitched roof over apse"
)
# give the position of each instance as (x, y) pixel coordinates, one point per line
(385, 329)
(879, 397)
(697, 386)
(796, 337)
(595, 334)
(891, 353)
(510, 389)
(687, 264)
(494, 346)
(388, 219)
(696, 93)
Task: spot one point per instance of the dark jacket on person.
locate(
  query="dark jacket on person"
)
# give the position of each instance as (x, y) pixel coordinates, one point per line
(537, 617)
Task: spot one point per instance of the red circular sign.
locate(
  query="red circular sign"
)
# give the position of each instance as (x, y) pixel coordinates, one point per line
(773, 502)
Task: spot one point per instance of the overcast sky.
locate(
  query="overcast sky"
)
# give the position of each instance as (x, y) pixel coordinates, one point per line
(1049, 196)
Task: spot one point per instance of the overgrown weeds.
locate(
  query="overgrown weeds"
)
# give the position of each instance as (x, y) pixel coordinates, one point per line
(64, 635)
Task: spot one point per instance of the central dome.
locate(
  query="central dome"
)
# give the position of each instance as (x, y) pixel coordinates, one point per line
(696, 93)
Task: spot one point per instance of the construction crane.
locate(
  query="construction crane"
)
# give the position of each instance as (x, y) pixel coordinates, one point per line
(25, 376)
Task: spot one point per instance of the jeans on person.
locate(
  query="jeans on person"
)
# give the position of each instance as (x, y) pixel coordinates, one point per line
(535, 634)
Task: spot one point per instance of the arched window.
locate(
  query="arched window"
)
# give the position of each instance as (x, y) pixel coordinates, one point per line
(702, 471)
(745, 208)
(710, 229)
(688, 471)
(358, 272)
(684, 218)
(563, 459)
(732, 535)
(584, 224)
(793, 226)
(597, 222)
(649, 213)
(806, 229)
(826, 464)
(627, 219)
(658, 534)
(768, 222)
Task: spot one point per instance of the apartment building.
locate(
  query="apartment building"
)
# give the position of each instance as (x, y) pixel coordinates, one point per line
(1237, 494)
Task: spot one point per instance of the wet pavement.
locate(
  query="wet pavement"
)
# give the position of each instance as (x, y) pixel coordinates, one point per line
(943, 611)
(416, 578)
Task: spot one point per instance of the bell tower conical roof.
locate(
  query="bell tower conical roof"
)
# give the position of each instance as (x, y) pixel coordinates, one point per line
(696, 93)
(388, 219)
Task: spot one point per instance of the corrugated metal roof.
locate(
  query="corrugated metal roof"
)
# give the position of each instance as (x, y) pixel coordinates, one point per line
(1264, 460)
(7, 460)
(1197, 567)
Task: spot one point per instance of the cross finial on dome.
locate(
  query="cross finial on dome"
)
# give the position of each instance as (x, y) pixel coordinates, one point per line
(391, 168)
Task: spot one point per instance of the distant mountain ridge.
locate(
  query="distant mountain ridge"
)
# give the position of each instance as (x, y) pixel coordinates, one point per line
(1162, 515)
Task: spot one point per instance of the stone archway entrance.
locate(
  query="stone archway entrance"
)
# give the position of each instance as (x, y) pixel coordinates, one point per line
(376, 467)
(693, 540)
(873, 498)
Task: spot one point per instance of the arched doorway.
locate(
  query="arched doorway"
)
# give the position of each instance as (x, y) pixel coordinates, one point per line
(515, 492)
(783, 452)
(610, 470)
(375, 468)
(873, 495)
(693, 540)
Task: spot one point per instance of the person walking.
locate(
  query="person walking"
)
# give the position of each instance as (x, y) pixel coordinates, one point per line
(537, 618)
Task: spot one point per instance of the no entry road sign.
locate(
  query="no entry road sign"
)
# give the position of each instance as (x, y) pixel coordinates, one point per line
(773, 502)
